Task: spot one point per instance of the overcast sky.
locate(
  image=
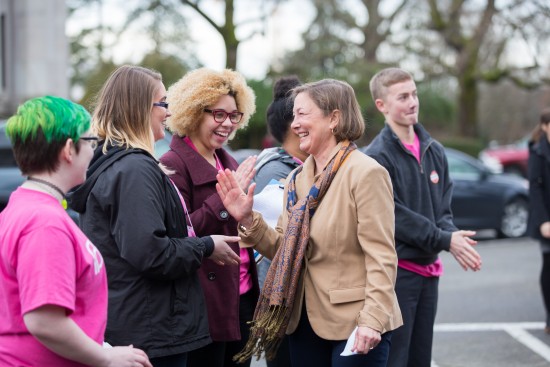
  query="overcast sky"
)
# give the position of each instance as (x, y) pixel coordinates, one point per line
(283, 32)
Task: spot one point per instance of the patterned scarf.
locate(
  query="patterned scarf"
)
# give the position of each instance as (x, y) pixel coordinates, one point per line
(274, 307)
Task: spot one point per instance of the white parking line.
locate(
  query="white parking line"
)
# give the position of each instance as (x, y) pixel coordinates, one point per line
(515, 330)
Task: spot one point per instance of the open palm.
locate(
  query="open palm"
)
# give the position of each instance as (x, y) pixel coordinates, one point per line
(236, 201)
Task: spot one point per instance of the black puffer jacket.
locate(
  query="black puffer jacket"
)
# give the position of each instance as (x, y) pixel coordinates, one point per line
(422, 193)
(132, 213)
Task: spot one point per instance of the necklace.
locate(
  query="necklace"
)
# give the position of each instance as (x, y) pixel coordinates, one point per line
(52, 186)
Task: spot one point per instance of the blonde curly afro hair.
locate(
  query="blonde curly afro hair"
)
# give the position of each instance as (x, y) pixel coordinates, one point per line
(200, 88)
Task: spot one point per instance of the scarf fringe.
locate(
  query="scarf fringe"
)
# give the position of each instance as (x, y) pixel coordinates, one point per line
(264, 335)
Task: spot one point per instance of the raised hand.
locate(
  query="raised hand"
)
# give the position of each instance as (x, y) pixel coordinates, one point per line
(223, 254)
(236, 201)
(245, 172)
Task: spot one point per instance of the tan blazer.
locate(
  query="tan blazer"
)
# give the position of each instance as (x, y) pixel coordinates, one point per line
(350, 264)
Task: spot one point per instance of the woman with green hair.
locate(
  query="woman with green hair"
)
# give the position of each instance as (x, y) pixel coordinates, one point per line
(53, 285)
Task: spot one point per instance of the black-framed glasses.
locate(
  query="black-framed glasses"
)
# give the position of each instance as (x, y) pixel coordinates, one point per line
(161, 104)
(92, 139)
(221, 115)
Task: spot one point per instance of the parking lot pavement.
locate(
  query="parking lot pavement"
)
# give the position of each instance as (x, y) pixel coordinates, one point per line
(492, 317)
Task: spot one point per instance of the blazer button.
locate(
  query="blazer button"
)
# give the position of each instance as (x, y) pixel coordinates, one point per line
(211, 276)
(224, 214)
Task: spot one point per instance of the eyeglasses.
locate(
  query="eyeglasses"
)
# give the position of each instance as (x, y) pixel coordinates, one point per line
(221, 115)
(161, 104)
(92, 139)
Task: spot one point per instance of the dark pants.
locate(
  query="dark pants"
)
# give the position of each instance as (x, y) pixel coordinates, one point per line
(545, 285)
(412, 342)
(282, 359)
(220, 354)
(176, 360)
(308, 349)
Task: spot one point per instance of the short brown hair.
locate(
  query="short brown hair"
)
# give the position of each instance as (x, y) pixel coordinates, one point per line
(384, 79)
(330, 95)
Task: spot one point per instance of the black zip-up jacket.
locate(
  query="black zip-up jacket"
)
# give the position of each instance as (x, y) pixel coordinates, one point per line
(422, 194)
(538, 169)
(131, 212)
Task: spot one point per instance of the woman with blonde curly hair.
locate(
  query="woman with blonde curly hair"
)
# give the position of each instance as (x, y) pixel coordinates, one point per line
(207, 109)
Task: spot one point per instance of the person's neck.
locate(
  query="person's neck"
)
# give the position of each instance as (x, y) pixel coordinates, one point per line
(293, 149)
(321, 159)
(206, 153)
(50, 184)
(404, 133)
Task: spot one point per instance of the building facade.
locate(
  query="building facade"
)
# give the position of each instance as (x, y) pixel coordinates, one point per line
(34, 51)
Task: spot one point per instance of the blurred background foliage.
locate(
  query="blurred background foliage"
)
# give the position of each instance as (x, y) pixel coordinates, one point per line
(463, 55)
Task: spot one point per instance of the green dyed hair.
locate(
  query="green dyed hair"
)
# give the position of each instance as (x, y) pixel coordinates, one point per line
(59, 119)
(40, 129)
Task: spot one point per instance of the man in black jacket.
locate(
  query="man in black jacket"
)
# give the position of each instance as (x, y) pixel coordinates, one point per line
(423, 219)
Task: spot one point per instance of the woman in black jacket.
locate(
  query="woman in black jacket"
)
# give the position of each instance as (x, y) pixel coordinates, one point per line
(539, 199)
(132, 212)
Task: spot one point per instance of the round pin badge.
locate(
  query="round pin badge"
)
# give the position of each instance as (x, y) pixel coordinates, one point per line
(434, 177)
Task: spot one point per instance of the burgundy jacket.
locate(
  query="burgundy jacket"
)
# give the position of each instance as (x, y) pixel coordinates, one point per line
(196, 180)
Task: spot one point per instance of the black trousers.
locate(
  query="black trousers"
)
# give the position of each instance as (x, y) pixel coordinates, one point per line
(176, 360)
(220, 354)
(308, 349)
(412, 342)
(545, 285)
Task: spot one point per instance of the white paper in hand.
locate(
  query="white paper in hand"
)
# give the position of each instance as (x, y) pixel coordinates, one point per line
(351, 341)
(269, 202)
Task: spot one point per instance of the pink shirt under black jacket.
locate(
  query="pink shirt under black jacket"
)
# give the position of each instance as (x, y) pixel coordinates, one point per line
(196, 180)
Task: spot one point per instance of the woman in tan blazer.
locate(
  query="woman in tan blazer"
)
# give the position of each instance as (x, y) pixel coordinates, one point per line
(334, 263)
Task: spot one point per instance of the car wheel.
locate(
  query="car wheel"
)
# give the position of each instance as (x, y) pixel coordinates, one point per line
(514, 218)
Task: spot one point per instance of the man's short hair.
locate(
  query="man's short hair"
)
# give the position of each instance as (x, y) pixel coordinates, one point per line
(384, 79)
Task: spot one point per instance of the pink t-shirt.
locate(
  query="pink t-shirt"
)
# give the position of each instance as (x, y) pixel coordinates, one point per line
(45, 259)
(432, 270)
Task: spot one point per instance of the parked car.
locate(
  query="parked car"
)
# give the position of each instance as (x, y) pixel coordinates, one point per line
(485, 200)
(10, 175)
(512, 157)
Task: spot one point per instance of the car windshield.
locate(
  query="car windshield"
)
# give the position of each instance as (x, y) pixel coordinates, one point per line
(460, 169)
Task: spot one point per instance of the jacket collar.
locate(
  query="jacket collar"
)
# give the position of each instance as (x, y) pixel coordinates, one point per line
(309, 166)
(200, 170)
(423, 135)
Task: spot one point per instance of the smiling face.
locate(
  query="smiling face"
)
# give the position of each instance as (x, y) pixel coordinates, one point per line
(211, 135)
(312, 126)
(400, 105)
(159, 114)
